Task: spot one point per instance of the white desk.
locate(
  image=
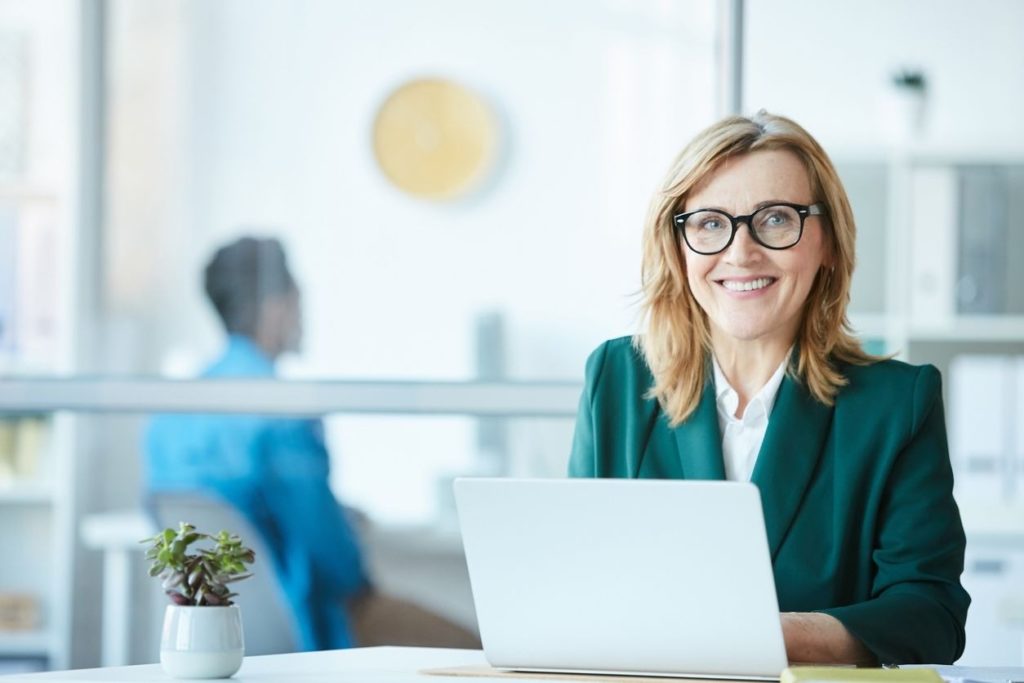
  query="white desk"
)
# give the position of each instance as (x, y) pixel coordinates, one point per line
(365, 665)
(375, 665)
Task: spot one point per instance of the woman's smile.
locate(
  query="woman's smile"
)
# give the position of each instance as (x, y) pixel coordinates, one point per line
(747, 285)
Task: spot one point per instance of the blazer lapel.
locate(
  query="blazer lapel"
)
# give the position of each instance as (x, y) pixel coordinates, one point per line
(659, 459)
(793, 444)
(699, 440)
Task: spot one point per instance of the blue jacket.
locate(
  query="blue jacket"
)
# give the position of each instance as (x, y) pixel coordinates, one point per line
(275, 472)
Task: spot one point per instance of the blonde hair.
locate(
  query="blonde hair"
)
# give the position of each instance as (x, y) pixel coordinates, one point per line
(677, 343)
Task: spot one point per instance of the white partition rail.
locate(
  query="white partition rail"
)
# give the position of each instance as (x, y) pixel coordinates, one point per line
(279, 397)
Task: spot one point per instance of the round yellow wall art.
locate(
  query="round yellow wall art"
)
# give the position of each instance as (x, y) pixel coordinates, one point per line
(435, 139)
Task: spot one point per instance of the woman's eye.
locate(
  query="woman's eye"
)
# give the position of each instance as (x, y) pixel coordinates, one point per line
(777, 219)
(711, 224)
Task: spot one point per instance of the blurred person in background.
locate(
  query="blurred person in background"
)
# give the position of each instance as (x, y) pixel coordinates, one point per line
(275, 471)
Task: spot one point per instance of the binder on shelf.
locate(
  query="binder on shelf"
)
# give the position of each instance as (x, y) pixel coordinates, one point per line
(15, 86)
(31, 441)
(8, 448)
(1014, 238)
(933, 218)
(1015, 463)
(8, 276)
(22, 441)
(18, 612)
(29, 277)
(983, 224)
(982, 393)
(37, 298)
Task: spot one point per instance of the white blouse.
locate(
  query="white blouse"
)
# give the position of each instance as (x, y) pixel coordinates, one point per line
(742, 436)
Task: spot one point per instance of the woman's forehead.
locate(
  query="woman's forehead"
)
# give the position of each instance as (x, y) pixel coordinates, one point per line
(741, 182)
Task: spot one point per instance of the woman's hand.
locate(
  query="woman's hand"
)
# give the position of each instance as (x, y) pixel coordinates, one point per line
(814, 638)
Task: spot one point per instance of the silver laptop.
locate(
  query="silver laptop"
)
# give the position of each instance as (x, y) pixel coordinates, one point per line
(648, 577)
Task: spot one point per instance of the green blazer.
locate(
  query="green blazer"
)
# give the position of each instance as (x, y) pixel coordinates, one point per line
(858, 497)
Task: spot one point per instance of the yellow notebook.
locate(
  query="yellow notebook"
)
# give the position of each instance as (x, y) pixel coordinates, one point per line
(838, 674)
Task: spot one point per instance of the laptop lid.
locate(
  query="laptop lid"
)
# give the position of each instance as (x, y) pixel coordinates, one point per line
(622, 575)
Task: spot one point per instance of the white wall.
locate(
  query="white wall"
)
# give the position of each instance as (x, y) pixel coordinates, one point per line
(592, 96)
(828, 65)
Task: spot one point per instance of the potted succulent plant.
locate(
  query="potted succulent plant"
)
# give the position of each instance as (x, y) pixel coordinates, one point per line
(202, 631)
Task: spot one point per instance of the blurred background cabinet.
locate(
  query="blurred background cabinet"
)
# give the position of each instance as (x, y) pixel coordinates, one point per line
(35, 542)
(42, 291)
(939, 281)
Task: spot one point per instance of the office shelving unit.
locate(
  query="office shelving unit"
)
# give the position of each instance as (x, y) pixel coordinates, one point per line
(37, 486)
(37, 516)
(39, 268)
(898, 320)
(883, 181)
(37, 547)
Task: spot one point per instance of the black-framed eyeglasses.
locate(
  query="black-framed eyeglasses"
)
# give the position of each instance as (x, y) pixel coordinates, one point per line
(776, 226)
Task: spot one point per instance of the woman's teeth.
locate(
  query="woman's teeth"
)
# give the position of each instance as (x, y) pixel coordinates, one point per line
(748, 285)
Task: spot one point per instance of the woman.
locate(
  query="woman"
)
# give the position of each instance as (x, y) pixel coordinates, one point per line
(748, 371)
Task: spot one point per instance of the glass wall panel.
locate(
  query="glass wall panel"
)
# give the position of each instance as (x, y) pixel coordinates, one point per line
(271, 119)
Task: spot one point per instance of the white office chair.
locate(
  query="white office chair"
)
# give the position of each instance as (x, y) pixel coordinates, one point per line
(267, 621)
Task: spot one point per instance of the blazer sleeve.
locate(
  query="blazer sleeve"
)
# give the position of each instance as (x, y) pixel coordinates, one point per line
(918, 608)
(583, 457)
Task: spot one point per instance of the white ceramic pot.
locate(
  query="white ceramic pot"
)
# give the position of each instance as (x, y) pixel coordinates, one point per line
(201, 642)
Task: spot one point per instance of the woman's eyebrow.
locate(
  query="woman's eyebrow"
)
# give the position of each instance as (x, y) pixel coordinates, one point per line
(757, 207)
(769, 202)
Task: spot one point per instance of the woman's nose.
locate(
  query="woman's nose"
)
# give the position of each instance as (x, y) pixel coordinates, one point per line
(743, 248)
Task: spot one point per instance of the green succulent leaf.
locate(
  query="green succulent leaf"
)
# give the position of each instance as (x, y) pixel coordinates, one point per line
(198, 576)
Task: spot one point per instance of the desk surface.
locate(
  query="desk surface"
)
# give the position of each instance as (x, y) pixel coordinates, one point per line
(361, 665)
(376, 665)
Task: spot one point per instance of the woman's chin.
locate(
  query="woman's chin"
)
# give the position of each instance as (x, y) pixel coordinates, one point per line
(747, 332)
